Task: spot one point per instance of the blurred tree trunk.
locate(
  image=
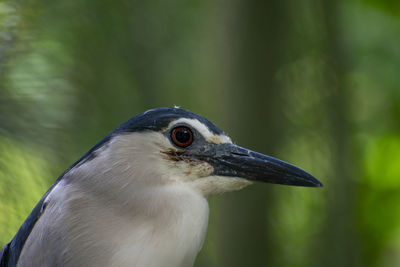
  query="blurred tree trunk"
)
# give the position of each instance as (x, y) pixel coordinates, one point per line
(257, 47)
(340, 241)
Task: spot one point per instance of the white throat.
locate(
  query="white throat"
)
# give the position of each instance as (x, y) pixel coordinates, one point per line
(165, 225)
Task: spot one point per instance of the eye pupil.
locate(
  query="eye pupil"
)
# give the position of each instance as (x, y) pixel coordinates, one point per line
(182, 136)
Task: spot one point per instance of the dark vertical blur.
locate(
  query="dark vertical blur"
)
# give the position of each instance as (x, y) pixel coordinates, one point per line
(340, 236)
(256, 121)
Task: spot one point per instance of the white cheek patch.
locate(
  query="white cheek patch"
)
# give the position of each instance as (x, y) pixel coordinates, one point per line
(203, 130)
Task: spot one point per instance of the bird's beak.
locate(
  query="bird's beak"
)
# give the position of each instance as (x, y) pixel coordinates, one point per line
(234, 161)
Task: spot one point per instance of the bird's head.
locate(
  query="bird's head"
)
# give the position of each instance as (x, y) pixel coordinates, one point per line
(173, 145)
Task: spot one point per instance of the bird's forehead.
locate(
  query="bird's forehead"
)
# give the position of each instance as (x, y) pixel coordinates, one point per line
(202, 129)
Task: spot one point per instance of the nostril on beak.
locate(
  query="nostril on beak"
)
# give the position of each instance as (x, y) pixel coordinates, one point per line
(240, 154)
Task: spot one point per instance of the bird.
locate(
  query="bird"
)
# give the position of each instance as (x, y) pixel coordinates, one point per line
(139, 196)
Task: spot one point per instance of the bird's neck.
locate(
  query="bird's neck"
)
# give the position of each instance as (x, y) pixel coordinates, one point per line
(160, 226)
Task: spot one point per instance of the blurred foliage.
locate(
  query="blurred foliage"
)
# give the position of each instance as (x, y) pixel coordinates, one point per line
(22, 177)
(313, 82)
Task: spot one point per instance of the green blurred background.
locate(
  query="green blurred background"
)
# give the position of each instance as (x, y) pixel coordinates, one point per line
(313, 82)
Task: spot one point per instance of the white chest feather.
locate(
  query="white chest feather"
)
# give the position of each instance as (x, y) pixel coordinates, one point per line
(170, 234)
(165, 227)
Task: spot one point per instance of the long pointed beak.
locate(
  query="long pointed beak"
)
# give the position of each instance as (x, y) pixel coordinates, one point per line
(234, 161)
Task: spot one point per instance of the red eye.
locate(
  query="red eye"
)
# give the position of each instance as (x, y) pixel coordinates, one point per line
(182, 136)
